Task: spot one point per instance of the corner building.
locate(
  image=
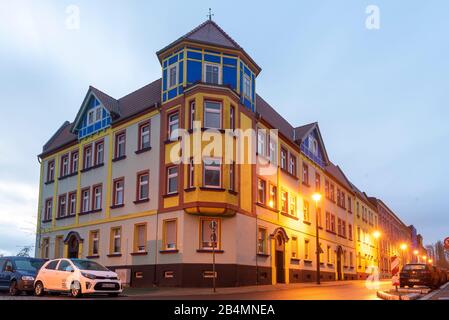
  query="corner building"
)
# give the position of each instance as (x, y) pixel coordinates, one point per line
(111, 191)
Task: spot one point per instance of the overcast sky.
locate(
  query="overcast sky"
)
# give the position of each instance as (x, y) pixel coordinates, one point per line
(380, 96)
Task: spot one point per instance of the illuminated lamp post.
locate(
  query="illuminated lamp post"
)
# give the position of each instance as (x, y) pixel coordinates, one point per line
(317, 197)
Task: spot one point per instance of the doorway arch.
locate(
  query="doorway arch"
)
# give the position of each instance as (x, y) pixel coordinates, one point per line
(280, 238)
(73, 242)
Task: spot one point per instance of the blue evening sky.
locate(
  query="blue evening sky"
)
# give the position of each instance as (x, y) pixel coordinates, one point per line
(380, 96)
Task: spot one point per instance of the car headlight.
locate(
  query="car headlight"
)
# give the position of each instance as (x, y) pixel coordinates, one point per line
(27, 278)
(88, 275)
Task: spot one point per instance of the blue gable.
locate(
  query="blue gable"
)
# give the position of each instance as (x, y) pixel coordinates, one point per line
(95, 118)
(312, 148)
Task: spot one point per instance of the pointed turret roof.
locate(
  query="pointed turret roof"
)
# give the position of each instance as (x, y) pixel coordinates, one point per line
(209, 33)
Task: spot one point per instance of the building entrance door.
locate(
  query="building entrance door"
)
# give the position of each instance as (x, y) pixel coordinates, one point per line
(73, 248)
(280, 269)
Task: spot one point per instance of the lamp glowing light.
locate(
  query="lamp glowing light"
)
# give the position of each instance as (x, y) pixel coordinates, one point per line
(403, 246)
(316, 197)
(416, 252)
(376, 234)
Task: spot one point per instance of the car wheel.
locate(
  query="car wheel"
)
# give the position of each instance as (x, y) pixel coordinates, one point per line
(75, 291)
(13, 289)
(39, 289)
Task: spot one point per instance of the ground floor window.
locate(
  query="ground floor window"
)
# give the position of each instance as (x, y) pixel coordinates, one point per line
(94, 243)
(170, 234)
(206, 232)
(140, 237)
(294, 247)
(306, 249)
(116, 240)
(59, 247)
(262, 241)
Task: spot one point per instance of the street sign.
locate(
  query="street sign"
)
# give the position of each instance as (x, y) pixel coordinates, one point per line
(446, 243)
(395, 270)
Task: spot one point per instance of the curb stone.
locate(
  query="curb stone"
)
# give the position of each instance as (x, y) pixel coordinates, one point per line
(387, 296)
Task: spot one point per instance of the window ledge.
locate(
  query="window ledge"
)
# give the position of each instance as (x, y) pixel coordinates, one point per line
(169, 251)
(331, 232)
(307, 222)
(49, 182)
(142, 150)
(209, 251)
(116, 206)
(263, 255)
(67, 176)
(92, 167)
(307, 261)
(289, 216)
(215, 129)
(119, 158)
(168, 141)
(234, 193)
(89, 212)
(266, 207)
(144, 253)
(47, 220)
(212, 189)
(306, 184)
(114, 255)
(141, 201)
(65, 217)
(93, 257)
(295, 259)
(168, 195)
(190, 189)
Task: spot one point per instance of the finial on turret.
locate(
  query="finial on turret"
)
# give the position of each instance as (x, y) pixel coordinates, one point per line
(210, 15)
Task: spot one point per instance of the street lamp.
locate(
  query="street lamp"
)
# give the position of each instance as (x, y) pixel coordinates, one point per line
(317, 197)
(416, 253)
(403, 247)
(430, 261)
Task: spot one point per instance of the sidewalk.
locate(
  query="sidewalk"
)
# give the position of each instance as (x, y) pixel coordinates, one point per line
(441, 294)
(172, 291)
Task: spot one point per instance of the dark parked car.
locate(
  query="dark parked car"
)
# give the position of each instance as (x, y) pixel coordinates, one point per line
(17, 274)
(419, 274)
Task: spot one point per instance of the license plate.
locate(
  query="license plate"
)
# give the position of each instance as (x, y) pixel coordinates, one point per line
(108, 285)
(414, 280)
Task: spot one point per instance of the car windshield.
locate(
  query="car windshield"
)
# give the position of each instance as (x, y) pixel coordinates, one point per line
(89, 265)
(32, 265)
(410, 267)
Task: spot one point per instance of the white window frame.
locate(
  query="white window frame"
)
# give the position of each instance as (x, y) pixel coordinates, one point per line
(212, 64)
(169, 77)
(261, 142)
(97, 197)
(191, 173)
(211, 110)
(144, 133)
(119, 190)
(142, 184)
(247, 86)
(95, 239)
(172, 123)
(99, 153)
(65, 165)
(85, 194)
(207, 166)
(117, 234)
(72, 203)
(172, 176)
(62, 202)
(48, 209)
(121, 142)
